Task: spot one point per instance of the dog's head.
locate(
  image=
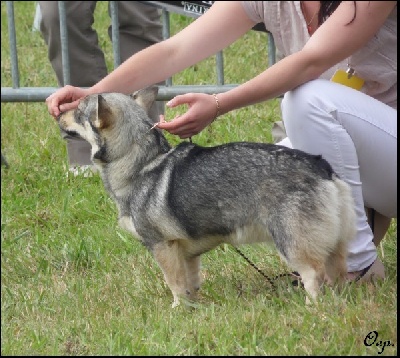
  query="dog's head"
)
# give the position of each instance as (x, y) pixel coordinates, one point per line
(110, 122)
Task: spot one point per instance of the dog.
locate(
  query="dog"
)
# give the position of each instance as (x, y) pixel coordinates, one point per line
(185, 200)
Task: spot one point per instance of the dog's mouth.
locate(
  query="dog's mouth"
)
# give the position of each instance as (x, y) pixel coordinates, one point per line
(70, 133)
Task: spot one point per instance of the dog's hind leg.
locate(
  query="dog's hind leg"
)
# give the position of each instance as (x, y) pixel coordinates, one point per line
(312, 274)
(336, 266)
(307, 256)
(171, 257)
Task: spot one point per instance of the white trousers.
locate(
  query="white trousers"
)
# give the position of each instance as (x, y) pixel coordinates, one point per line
(357, 135)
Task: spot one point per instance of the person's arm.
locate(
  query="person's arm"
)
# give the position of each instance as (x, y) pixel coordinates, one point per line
(221, 25)
(335, 40)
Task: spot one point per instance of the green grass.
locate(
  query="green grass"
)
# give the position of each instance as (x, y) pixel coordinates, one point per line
(74, 283)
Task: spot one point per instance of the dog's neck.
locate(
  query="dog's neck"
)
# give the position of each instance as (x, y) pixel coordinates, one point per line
(119, 173)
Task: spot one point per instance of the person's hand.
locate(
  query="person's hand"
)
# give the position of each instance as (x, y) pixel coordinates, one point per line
(64, 99)
(202, 111)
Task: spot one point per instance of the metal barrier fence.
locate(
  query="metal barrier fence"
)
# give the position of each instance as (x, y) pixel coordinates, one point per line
(16, 93)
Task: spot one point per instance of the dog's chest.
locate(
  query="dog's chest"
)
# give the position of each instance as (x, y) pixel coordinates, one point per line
(126, 223)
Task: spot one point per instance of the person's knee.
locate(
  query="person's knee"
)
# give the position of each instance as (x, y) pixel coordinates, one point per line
(51, 18)
(140, 21)
(136, 14)
(49, 12)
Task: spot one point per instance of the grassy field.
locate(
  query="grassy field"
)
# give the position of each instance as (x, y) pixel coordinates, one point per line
(74, 283)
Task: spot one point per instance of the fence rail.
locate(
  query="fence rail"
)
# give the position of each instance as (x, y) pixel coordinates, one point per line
(16, 93)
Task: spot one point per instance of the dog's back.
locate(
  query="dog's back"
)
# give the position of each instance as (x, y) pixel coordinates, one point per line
(226, 186)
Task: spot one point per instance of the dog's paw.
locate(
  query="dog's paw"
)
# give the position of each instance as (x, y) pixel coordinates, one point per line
(176, 302)
(309, 301)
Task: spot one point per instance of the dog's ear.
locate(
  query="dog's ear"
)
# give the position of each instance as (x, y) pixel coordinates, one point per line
(104, 115)
(145, 97)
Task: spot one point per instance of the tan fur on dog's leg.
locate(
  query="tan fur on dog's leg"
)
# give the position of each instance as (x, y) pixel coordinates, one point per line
(193, 276)
(170, 257)
(336, 266)
(311, 276)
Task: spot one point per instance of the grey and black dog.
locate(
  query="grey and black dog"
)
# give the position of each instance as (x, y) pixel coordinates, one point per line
(183, 201)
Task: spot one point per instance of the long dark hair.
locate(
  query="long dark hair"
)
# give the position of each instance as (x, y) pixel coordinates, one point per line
(328, 7)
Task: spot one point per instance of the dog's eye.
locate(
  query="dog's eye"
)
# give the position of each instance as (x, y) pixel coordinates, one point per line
(79, 115)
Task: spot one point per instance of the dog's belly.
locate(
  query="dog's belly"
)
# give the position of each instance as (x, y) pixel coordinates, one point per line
(249, 235)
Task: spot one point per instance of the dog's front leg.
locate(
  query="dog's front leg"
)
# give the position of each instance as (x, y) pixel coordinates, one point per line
(171, 257)
(193, 276)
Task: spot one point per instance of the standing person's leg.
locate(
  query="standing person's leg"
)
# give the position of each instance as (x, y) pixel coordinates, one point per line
(358, 136)
(87, 63)
(139, 27)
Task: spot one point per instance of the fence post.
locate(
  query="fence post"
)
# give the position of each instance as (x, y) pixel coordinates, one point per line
(115, 33)
(13, 44)
(64, 43)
